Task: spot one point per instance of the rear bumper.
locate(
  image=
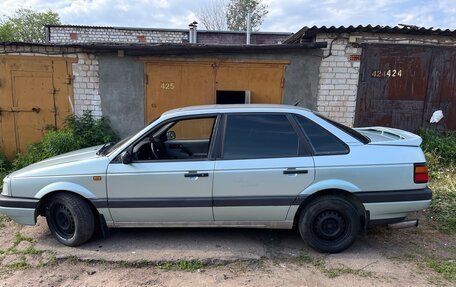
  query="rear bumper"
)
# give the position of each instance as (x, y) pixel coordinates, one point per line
(386, 205)
(395, 195)
(21, 210)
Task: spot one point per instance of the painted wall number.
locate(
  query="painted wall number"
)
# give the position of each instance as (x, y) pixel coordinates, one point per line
(167, 85)
(386, 73)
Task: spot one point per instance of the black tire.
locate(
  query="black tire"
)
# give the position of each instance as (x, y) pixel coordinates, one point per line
(329, 224)
(70, 219)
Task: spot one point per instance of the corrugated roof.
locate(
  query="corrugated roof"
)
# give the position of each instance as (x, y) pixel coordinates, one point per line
(309, 32)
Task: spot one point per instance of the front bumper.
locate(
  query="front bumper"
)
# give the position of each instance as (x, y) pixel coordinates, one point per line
(21, 210)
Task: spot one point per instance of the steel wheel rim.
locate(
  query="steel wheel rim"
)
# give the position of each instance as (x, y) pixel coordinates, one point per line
(62, 221)
(329, 225)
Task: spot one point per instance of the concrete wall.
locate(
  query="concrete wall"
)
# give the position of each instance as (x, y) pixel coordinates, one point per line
(122, 84)
(339, 75)
(122, 92)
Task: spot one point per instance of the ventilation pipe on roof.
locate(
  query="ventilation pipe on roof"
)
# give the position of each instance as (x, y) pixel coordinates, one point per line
(192, 37)
(195, 37)
(190, 33)
(249, 27)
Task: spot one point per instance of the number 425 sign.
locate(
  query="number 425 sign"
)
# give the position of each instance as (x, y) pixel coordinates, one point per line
(167, 85)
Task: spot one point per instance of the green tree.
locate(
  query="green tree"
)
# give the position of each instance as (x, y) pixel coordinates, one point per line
(27, 25)
(237, 10)
(6, 32)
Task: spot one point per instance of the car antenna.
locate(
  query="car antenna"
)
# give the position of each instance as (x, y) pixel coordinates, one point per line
(296, 104)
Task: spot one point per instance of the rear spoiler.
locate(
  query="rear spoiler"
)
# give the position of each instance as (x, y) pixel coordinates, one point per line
(391, 136)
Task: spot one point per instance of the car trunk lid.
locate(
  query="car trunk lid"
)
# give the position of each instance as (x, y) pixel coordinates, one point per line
(390, 136)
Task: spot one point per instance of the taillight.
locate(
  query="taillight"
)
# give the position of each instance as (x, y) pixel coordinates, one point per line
(420, 173)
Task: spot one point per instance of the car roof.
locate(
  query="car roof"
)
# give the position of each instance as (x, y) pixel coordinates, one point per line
(243, 108)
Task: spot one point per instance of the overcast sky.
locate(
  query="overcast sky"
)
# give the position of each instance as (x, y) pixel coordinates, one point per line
(284, 15)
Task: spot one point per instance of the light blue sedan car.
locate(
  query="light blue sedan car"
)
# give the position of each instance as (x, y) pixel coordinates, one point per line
(255, 166)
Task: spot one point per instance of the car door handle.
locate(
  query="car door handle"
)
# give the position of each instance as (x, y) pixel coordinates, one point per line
(196, 174)
(295, 171)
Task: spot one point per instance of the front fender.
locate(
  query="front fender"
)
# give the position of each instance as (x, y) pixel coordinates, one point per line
(67, 186)
(329, 184)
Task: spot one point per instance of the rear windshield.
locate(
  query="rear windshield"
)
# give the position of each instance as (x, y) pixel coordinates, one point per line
(350, 131)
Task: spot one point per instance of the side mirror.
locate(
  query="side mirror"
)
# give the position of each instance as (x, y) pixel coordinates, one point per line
(125, 157)
(170, 135)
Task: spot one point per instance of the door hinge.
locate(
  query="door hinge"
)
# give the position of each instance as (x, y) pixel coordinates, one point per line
(282, 82)
(68, 79)
(146, 79)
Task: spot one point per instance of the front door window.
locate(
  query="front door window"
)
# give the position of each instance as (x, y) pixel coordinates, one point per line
(178, 140)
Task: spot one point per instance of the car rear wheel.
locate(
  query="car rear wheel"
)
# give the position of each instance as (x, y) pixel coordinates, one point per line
(70, 219)
(329, 224)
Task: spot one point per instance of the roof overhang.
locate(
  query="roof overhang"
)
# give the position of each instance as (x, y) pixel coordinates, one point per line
(171, 49)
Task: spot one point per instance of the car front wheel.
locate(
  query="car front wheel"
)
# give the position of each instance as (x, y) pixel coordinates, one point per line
(329, 224)
(70, 219)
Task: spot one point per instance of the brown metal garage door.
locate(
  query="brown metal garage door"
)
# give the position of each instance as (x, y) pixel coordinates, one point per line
(34, 94)
(402, 85)
(178, 83)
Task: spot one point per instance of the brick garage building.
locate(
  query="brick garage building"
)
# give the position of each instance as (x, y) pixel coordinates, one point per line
(358, 75)
(393, 76)
(131, 76)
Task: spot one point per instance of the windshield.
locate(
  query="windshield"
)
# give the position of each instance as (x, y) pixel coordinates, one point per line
(112, 147)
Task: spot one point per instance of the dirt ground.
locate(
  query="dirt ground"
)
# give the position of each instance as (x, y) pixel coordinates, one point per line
(29, 256)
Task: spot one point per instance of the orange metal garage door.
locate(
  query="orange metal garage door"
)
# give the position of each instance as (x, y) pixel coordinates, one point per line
(177, 83)
(34, 94)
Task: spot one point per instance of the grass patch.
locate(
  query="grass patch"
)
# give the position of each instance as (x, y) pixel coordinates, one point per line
(443, 207)
(3, 220)
(442, 145)
(446, 268)
(19, 238)
(30, 250)
(19, 265)
(440, 151)
(331, 272)
(182, 265)
(52, 259)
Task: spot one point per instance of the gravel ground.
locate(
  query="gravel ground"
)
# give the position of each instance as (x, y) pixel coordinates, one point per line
(29, 256)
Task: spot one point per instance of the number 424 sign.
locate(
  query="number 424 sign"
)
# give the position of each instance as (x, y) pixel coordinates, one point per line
(391, 73)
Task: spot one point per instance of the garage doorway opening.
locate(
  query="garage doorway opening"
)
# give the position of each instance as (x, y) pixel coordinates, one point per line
(232, 97)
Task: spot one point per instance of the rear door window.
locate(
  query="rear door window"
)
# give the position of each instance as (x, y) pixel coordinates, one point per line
(259, 136)
(323, 142)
